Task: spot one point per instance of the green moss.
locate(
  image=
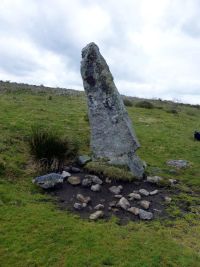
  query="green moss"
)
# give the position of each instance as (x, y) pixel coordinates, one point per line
(110, 171)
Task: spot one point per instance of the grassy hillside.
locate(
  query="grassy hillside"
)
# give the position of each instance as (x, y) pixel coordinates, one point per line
(34, 232)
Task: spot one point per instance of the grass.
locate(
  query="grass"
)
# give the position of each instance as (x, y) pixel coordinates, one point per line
(34, 232)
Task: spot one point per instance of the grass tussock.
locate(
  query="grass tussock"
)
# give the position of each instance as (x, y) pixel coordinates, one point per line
(50, 150)
(110, 171)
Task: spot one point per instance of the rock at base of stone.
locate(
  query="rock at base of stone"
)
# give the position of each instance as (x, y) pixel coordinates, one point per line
(96, 187)
(134, 210)
(123, 203)
(82, 160)
(48, 181)
(145, 215)
(74, 180)
(96, 215)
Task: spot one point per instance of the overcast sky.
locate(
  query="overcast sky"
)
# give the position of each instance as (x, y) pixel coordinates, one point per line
(152, 46)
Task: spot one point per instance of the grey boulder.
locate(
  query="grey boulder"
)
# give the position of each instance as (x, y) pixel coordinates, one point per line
(82, 160)
(48, 181)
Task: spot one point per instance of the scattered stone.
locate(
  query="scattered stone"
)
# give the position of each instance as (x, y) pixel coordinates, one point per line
(67, 169)
(48, 181)
(82, 160)
(144, 192)
(115, 189)
(94, 179)
(96, 215)
(96, 187)
(112, 204)
(157, 210)
(133, 196)
(154, 192)
(145, 204)
(83, 199)
(87, 182)
(145, 215)
(65, 174)
(172, 182)
(109, 121)
(108, 180)
(75, 169)
(74, 180)
(154, 179)
(134, 210)
(99, 207)
(167, 199)
(84, 205)
(123, 203)
(118, 196)
(179, 164)
(78, 206)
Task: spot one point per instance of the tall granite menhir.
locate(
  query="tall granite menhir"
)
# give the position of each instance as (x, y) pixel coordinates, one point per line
(112, 135)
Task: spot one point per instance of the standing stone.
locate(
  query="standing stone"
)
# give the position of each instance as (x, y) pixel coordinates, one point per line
(112, 136)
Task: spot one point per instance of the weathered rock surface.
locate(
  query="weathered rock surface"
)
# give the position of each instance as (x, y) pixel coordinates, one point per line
(112, 136)
(75, 169)
(144, 192)
(48, 181)
(74, 180)
(116, 189)
(65, 174)
(123, 203)
(153, 193)
(96, 215)
(134, 210)
(96, 187)
(154, 179)
(145, 204)
(82, 160)
(133, 196)
(179, 164)
(83, 199)
(86, 182)
(145, 215)
(95, 179)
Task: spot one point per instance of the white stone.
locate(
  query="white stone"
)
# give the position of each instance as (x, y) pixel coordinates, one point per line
(123, 203)
(134, 210)
(144, 192)
(96, 215)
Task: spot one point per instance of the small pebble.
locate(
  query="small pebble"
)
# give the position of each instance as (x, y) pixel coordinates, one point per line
(144, 192)
(152, 193)
(145, 204)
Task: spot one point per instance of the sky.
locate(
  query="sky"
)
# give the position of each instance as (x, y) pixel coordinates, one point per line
(151, 46)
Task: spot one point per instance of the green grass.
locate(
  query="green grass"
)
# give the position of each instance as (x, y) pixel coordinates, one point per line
(34, 232)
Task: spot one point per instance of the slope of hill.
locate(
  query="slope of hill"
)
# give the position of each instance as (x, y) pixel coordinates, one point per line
(34, 232)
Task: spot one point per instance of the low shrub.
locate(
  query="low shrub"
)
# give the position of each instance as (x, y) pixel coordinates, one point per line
(144, 104)
(110, 171)
(50, 150)
(128, 102)
(173, 111)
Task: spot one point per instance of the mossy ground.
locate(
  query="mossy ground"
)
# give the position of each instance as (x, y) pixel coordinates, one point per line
(33, 232)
